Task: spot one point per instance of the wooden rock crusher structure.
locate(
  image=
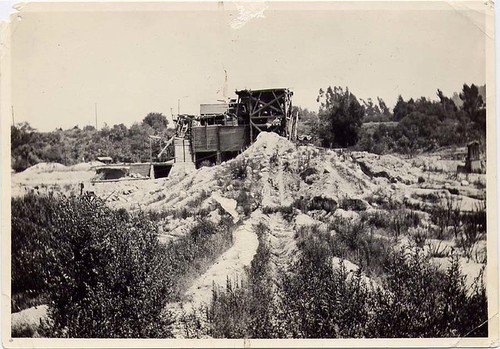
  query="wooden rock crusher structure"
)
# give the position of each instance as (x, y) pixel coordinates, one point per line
(219, 133)
(222, 131)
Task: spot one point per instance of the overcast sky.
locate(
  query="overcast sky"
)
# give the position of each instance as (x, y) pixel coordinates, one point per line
(134, 62)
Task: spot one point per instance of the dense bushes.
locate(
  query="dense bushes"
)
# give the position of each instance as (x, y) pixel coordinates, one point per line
(318, 297)
(420, 301)
(103, 271)
(414, 299)
(32, 217)
(322, 301)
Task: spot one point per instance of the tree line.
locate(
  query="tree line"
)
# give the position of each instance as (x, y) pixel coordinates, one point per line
(68, 147)
(343, 120)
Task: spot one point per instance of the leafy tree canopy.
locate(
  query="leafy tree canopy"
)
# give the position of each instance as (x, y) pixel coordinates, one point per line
(341, 116)
(157, 121)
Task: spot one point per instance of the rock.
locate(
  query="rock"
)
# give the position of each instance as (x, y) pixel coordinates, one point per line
(304, 219)
(340, 213)
(464, 183)
(326, 170)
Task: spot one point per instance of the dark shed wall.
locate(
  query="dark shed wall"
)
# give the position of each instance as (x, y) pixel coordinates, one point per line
(234, 138)
(220, 138)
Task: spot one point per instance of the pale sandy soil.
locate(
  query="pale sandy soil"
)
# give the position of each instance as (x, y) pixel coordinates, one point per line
(231, 264)
(277, 173)
(29, 318)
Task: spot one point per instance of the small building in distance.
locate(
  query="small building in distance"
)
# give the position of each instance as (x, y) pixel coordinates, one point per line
(105, 159)
(473, 160)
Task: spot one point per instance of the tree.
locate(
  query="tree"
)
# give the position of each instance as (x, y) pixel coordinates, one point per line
(118, 132)
(341, 116)
(308, 122)
(447, 103)
(384, 109)
(371, 109)
(157, 121)
(403, 108)
(376, 112)
(474, 105)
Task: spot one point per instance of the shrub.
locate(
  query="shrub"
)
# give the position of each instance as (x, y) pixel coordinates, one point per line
(419, 301)
(31, 221)
(377, 219)
(351, 241)
(438, 250)
(402, 220)
(238, 168)
(472, 230)
(288, 212)
(244, 200)
(319, 301)
(107, 274)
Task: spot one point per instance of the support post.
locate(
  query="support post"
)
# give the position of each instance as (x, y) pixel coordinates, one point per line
(184, 150)
(218, 160)
(150, 152)
(152, 172)
(251, 130)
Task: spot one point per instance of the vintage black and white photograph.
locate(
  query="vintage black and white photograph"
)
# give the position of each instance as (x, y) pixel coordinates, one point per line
(249, 170)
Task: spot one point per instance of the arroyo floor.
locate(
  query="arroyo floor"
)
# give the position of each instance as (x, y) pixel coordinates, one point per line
(277, 173)
(231, 264)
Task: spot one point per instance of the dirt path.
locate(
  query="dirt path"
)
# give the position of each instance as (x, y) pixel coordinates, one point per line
(282, 242)
(231, 264)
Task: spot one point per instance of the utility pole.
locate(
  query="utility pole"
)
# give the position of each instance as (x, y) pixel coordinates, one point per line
(96, 115)
(13, 123)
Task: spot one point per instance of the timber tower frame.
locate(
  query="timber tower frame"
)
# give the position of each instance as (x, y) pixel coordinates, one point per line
(267, 110)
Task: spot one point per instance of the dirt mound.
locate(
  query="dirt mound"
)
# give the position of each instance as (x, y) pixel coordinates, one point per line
(268, 144)
(45, 167)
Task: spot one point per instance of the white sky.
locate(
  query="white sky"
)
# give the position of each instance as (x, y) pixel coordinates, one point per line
(132, 62)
